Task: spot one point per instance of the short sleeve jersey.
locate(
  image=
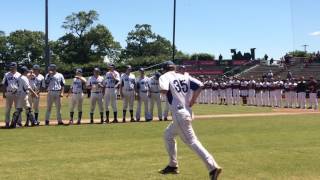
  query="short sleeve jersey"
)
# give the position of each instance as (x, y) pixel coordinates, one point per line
(54, 82)
(10, 80)
(94, 82)
(128, 82)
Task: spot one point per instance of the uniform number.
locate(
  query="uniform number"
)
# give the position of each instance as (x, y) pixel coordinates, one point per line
(180, 86)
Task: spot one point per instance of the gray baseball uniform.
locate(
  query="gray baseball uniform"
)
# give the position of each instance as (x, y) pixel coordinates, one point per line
(155, 96)
(54, 84)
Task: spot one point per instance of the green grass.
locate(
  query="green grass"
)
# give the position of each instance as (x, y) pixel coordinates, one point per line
(199, 109)
(247, 148)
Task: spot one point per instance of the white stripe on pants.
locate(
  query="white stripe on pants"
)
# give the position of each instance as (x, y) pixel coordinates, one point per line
(143, 98)
(155, 98)
(302, 100)
(96, 98)
(76, 100)
(128, 99)
(182, 126)
(34, 103)
(110, 97)
(10, 100)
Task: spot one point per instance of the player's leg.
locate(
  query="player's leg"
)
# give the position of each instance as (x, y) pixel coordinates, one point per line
(57, 101)
(171, 147)
(49, 107)
(80, 104)
(138, 112)
(107, 100)
(113, 98)
(36, 104)
(158, 100)
(188, 136)
(131, 103)
(152, 101)
(146, 101)
(93, 102)
(72, 104)
(125, 100)
(100, 105)
(9, 103)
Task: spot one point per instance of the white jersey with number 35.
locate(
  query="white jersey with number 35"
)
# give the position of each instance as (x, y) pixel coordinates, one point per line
(180, 89)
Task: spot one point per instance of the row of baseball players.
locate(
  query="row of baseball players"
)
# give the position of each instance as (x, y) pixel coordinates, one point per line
(289, 93)
(23, 90)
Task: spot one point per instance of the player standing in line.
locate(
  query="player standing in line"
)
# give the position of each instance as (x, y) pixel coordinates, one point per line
(10, 82)
(76, 89)
(244, 90)
(252, 92)
(215, 92)
(259, 91)
(286, 87)
(95, 85)
(222, 92)
(236, 91)
(229, 82)
(182, 92)
(111, 83)
(293, 94)
(142, 90)
(127, 86)
(266, 93)
(301, 90)
(155, 95)
(36, 82)
(54, 83)
(273, 89)
(313, 90)
(279, 91)
(207, 91)
(23, 103)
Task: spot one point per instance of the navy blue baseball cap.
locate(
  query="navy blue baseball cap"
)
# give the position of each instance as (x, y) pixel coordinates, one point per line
(111, 65)
(52, 66)
(24, 69)
(157, 75)
(141, 69)
(13, 64)
(36, 67)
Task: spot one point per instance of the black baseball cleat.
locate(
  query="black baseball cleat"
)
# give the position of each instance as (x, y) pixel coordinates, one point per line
(60, 123)
(47, 123)
(169, 170)
(165, 119)
(115, 121)
(148, 120)
(132, 120)
(214, 174)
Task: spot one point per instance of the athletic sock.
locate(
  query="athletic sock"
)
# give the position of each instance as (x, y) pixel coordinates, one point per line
(79, 117)
(124, 115)
(71, 116)
(131, 114)
(101, 117)
(91, 118)
(115, 114)
(107, 116)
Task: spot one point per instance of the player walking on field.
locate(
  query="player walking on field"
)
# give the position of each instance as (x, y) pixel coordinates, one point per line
(76, 100)
(10, 82)
(95, 85)
(127, 86)
(111, 83)
(54, 82)
(182, 92)
(23, 103)
(36, 82)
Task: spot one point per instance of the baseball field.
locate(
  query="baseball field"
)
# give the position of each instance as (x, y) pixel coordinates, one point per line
(248, 142)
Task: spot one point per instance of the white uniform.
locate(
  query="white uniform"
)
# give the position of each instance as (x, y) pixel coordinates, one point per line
(111, 80)
(273, 94)
(10, 81)
(279, 93)
(128, 85)
(287, 93)
(36, 83)
(77, 94)
(155, 96)
(143, 92)
(266, 94)
(180, 89)
(229, 92)
(96, 93)
(222, 91)
(293, 95)
(236, 92)
(251, 93)
(54, 84)
(215, 92)
(259, 91)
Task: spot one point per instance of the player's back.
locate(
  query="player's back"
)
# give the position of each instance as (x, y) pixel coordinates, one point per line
(179, 88)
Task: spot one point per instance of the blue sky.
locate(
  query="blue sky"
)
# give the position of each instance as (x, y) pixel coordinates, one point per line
(214, 26)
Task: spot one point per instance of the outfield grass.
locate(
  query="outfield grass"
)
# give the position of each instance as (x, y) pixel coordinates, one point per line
(247, 148)
(199, 109)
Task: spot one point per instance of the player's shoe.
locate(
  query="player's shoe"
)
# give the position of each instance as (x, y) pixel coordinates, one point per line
(169, 170)
(115, 121)
(214, 174)
(60, 123)
(165, 119)
(71, 122)
(148, 120)
(47, 123)
(124, 120)
(132, 120)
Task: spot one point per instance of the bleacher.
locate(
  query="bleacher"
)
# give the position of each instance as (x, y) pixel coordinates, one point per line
(311, 69)
(259, 70)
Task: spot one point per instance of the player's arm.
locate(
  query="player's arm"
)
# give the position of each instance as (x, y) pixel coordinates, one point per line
(164, 85)
(196, 86)
(117, 80)
(121, 86)
(62, 83)
(5, 84)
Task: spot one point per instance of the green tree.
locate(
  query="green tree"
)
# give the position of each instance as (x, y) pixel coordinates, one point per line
(84, 42)
(25, 46)
(3, 47)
